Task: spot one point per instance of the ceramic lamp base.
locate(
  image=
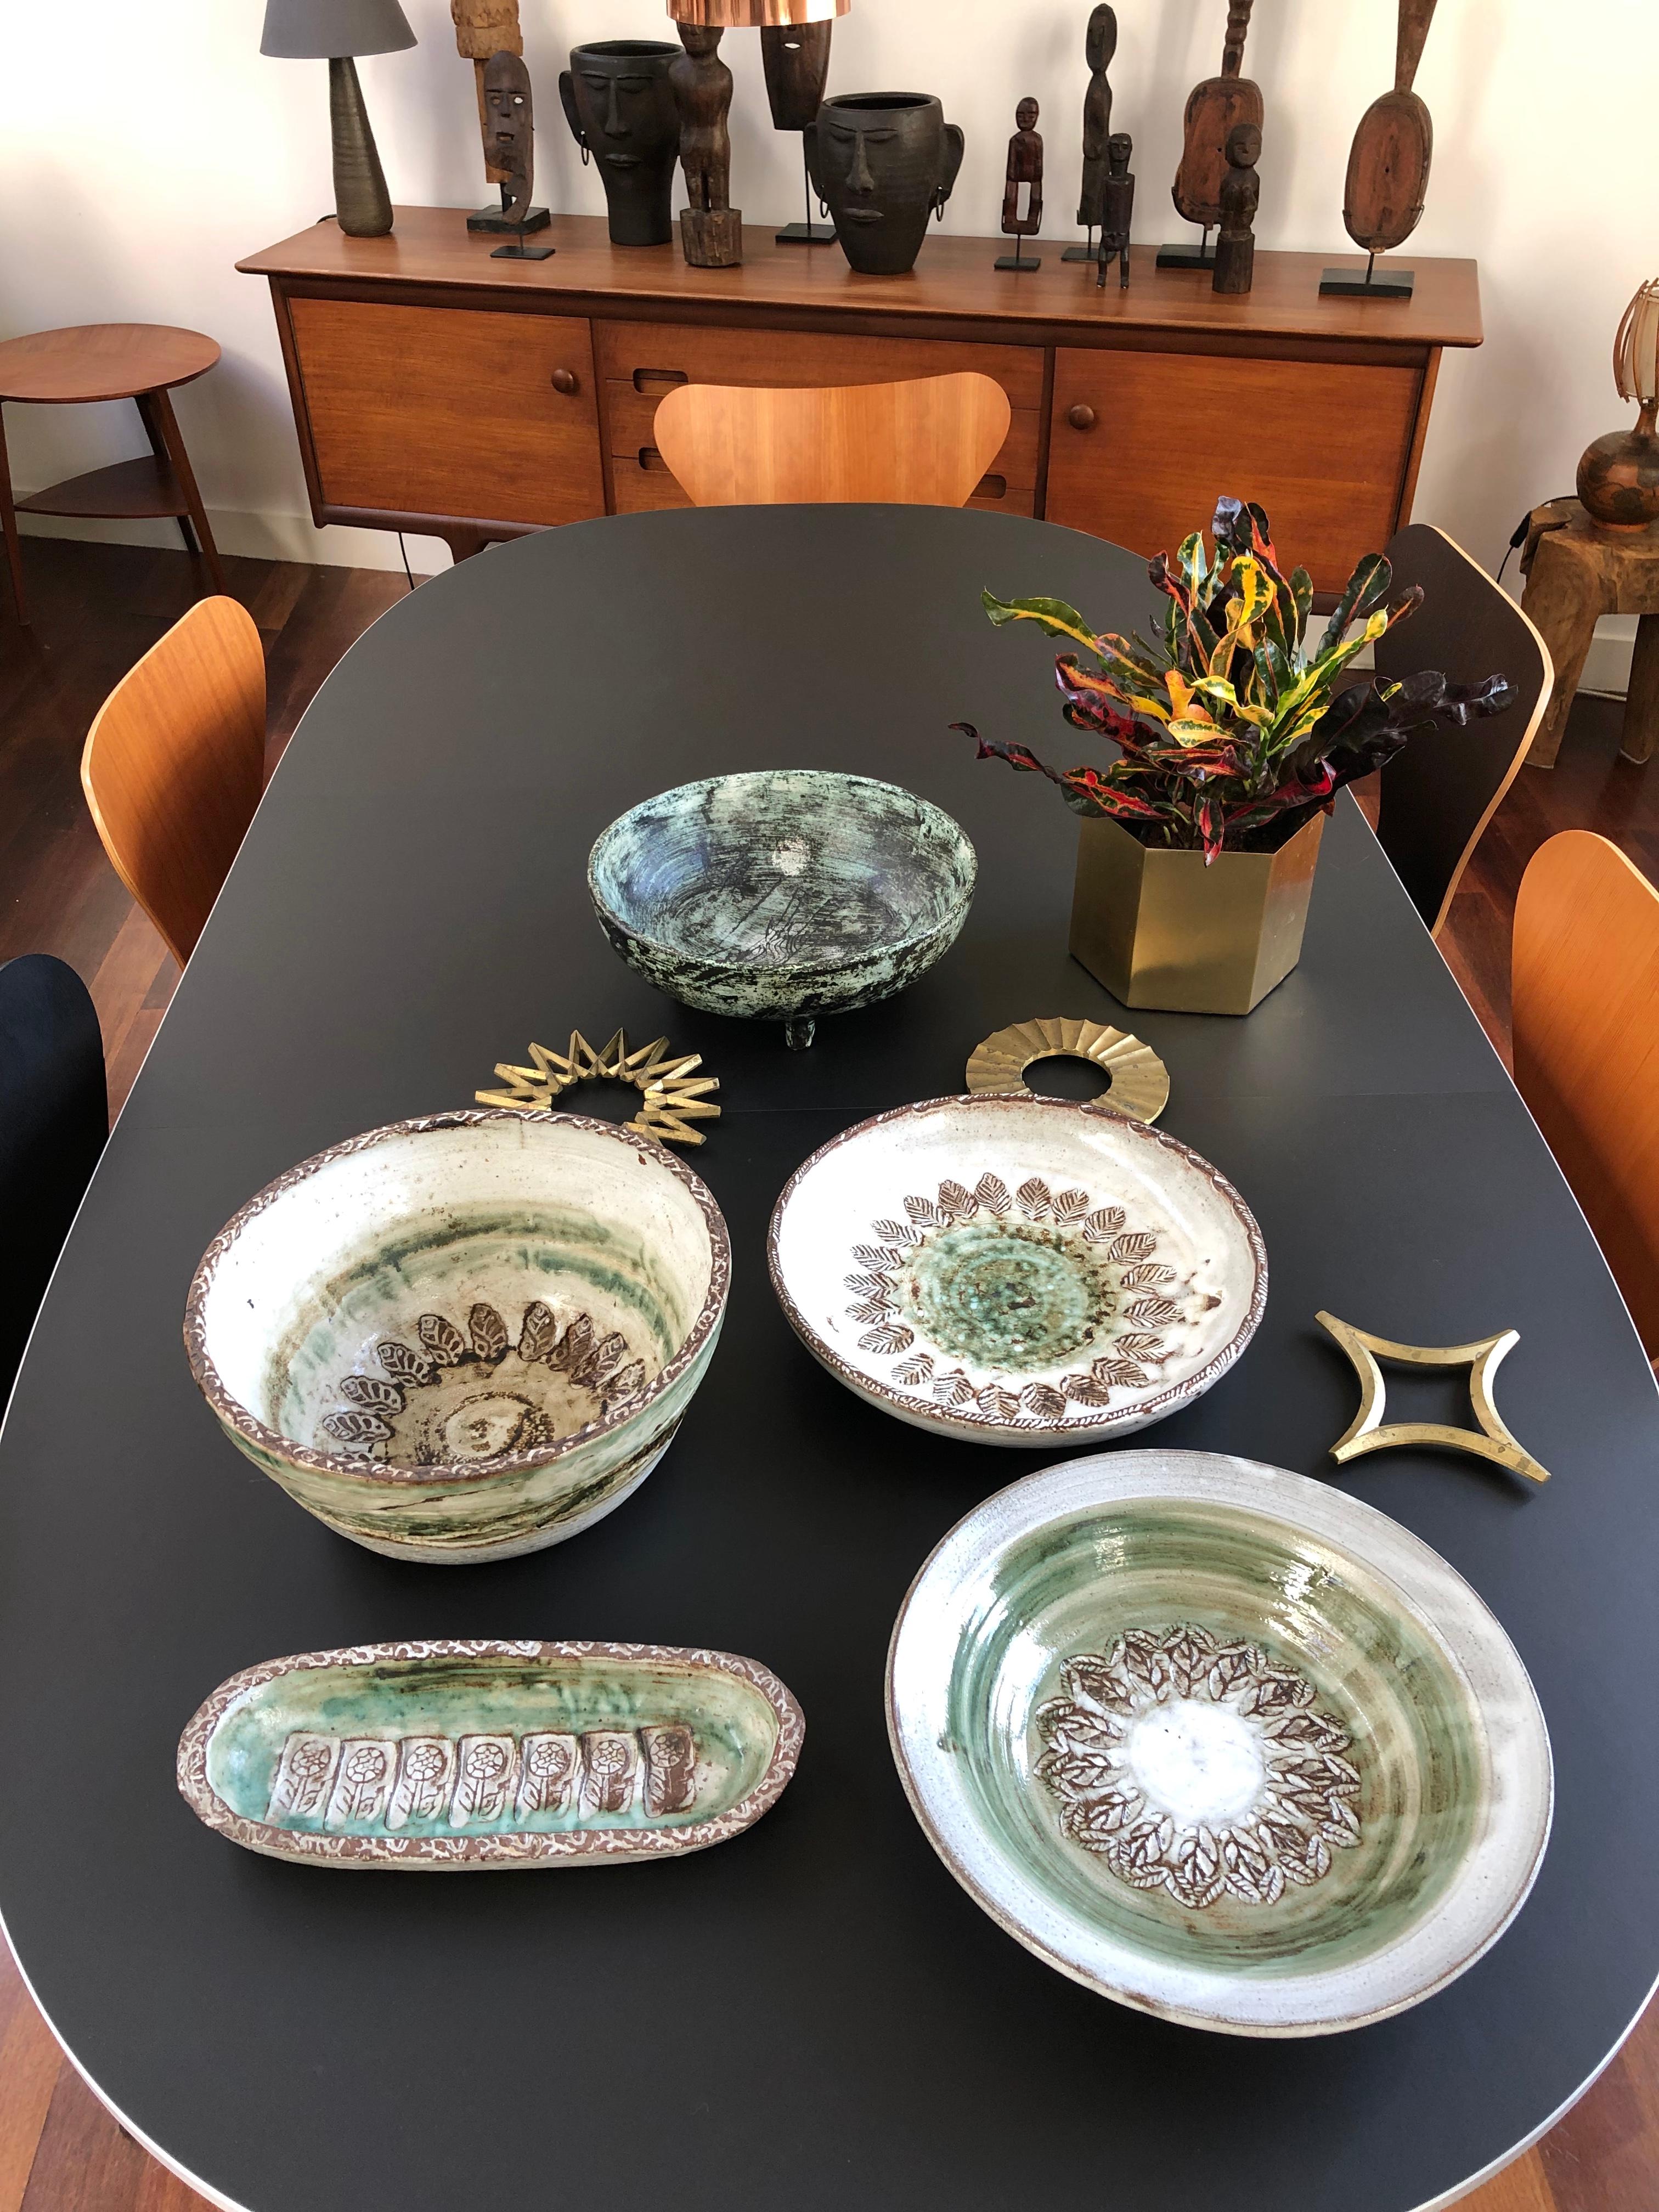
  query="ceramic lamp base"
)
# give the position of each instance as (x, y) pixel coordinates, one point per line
(1618, 476)
(1160, 929)
(363, 206)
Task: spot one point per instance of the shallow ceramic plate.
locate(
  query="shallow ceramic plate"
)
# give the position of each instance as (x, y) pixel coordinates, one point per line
(1218, 1741)
(466, 1337)
(482, 1754)
(1016, 1270)
(782, 894)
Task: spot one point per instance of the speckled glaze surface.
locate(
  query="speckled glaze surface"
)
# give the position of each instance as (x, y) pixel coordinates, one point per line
(454, 1756)
(1219, 1741)
(465, 1337)
(784, 893)
(1017, 1270)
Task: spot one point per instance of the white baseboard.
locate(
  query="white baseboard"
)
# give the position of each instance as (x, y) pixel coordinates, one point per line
(1606, 670)
(259, 537)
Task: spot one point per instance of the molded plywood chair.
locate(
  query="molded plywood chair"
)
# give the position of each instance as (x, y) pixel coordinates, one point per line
(1441, 792)
(922, 444)
(1586, 992)
(54, 1117)
(174, 764)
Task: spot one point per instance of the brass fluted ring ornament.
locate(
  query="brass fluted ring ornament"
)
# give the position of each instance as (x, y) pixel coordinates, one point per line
(1368, 1432)
(673, 1096)
(1140, 1084)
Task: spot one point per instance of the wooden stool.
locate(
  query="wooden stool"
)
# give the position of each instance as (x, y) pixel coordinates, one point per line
(1576, 572)
(111, 361)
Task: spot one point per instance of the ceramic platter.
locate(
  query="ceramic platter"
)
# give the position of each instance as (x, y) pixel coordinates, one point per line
(481, 1754)
(1017, 1270)
(782, 894)
(1219, 1741)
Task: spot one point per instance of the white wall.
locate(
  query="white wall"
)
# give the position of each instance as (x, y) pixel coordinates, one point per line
(136, 166)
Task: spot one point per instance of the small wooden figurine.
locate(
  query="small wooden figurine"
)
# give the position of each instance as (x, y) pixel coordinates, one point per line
(796, 59)
(1101, 46)
(483, 28)
(1241, 192)
(1388, 168)
(1117, 209)
(510, 115)
(1025, 168)
(1212, 108)
(711, 228)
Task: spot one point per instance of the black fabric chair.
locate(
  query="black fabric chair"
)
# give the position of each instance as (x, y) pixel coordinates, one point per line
(1441, 792)
(54, 1117)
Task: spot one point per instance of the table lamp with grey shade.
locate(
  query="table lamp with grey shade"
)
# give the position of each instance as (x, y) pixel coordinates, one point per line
(334, 30)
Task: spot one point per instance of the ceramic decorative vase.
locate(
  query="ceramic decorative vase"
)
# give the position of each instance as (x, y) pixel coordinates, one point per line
(620, 108)
(1016, 1270)
(1160, 929)
(883, 162)
(466, 1337)
(1220, 1743)
(482, 1754)
(782, 896)
(1618, 475)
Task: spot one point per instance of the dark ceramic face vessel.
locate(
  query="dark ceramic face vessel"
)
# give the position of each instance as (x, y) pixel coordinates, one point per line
(883, 161)
(620, 108)
(784, 894)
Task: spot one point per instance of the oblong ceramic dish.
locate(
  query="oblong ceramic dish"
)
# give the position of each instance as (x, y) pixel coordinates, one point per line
(482, 1754)
(465, 1337)
(783, 894)
(1017, 1270)
(1218, 1741)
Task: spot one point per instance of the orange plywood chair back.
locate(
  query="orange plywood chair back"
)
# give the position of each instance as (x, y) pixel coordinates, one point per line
(1586, 989)
(174, 764)
(926, 443)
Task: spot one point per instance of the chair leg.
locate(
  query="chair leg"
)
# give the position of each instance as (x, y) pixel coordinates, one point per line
(9, 524)
(160, 420)
(1642, 705)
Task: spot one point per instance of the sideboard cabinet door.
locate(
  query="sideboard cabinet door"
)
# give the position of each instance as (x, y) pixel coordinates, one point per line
(1142, 445)
(451, 411)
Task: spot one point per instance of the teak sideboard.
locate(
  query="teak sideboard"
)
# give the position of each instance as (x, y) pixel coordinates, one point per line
(438, 391)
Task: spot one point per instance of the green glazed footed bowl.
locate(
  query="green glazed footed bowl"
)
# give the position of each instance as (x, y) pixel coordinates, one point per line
(783, 894)
(1220, 1743)
(466, 1337)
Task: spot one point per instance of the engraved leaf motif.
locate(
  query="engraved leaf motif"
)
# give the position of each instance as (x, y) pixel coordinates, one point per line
(357, 1428)
(1086, 1389)
(1034, 1199)
(535, 1337)
(1123, 1372)
(402, 1364)
(879, 1258)
(893, 1337)
(923, 1213)
(1104, 1222)
(915, 1371)
(952, 1389)
(574, 1346)
(958, 1203)
(895, 1232)
(1140, 1346)
(1135, 1244)
(993, 1194)
(872, 1310)
(876, 1286)
(1153, 1312)
(488, 1333)
(1071, 1206)
(368, 1390)
(1144, 1277)
(998, 1404)
(627, 1382)
(441, 1339)
(1042, 1402)
(591, 1371)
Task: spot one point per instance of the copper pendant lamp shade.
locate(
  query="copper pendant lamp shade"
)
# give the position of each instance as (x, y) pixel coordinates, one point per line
(756, 14)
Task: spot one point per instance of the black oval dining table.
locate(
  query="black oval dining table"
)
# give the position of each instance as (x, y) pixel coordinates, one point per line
(814, 2015)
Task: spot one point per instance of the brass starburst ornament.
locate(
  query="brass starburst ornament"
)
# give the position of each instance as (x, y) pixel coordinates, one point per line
(674, 1095)
(1139, 1080)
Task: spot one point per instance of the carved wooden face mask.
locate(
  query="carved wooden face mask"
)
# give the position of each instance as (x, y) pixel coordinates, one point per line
(509, 121)
(883, 162)
(621, 109)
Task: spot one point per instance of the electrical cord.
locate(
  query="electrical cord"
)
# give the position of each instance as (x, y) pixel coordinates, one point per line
(1518, 537)
(410, 573)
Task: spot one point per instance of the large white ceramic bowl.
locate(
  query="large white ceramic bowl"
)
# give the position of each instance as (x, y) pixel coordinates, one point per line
(466, 1337)
(1017, 1270)
(1218, 1741)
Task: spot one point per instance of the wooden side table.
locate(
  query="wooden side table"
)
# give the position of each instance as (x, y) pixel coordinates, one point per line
(110, 360)
(1576, 572)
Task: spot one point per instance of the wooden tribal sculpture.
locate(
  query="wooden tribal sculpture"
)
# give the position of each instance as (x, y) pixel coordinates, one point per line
(483, 28)
(1212, 108)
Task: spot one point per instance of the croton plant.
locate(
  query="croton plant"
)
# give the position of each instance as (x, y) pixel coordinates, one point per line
(1230, 735)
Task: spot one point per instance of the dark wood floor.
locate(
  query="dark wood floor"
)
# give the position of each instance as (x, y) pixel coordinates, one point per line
(97, 608)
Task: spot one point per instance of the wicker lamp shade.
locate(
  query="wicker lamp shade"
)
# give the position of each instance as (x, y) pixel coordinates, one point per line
(756, 14)
(1636, 348)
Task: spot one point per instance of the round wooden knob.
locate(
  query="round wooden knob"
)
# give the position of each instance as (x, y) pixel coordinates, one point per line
(564, 379)
(1081, 417)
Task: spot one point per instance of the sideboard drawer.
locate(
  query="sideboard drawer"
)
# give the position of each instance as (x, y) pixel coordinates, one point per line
(643, 484)
(451, 411)
(1323, 445)
(653, 357)
(629, 415)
